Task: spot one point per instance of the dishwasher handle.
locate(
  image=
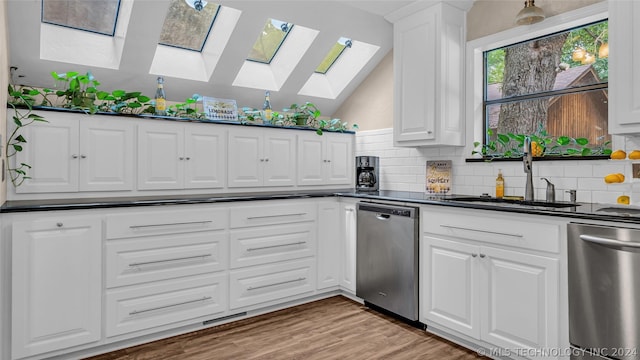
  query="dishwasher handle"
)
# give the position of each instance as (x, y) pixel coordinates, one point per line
(383, 217)
(610, 242)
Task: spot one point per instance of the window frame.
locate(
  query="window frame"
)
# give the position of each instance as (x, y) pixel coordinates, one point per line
(475, 94)
(206, 38)
(284, 38)
(113, 29)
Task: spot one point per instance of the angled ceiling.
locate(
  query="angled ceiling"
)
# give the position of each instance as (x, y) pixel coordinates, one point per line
(360, 20)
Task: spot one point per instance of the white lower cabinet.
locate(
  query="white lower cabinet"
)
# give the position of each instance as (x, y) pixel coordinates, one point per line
(56, 283)
(162, 303)
(329, 244)
(262, 284)
(473, 285)
(140, 260)
(348, 227)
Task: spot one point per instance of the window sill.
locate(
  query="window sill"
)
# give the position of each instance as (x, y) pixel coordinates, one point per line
(543, 158)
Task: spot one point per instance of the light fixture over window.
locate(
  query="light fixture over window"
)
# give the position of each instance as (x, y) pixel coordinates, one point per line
(531, 14)
(196, 4)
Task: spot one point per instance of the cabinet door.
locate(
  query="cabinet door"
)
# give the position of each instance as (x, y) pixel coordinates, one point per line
(348, 225)
(245, 155)
(52, 152)
(160, 156)
(429, 79)
(329, 244)
(205, 156)
(624, 74)
(520, 300)
(449, 294)
(340, 159)
(106, 154)
(279, 159)
(415, 70)
(311, 160)
(56, 284)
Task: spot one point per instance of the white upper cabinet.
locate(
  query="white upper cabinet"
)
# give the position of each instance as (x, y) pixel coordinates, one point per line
(428, 60)
(261, 157)
(326, 159)
(177, 156)
(71, 153)
(624, 67)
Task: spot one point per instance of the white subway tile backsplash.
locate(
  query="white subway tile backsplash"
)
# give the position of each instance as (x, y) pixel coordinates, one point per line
(403, 169)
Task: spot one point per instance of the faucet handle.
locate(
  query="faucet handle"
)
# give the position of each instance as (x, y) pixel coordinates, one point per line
(572, 195)
(551, 191)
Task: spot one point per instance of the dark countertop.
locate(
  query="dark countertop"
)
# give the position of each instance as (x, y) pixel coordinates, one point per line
(587, 211)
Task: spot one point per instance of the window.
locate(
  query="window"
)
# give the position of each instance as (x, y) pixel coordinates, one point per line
(336, 50)
(552, 88)
(93, 16)
(187, 28)
(269, 41)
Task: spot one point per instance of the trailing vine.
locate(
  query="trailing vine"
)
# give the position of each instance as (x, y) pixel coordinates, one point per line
(23, 115)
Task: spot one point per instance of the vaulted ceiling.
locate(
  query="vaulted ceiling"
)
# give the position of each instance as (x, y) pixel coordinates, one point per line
(359, 20)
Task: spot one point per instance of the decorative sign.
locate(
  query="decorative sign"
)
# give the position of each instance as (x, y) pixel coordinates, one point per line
(220, 109)
(439, 177)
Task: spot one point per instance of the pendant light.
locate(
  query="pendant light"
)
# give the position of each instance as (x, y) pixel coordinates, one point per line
(531, 14)
(198, 5)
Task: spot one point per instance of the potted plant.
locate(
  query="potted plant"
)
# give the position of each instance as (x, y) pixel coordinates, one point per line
(304, 115)
(79, 90)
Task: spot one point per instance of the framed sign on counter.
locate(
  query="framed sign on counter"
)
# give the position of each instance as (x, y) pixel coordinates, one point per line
(220, 109)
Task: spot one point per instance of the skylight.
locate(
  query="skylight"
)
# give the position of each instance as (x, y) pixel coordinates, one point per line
(333, 55)
(269, 41)
(187, 28)
(93, 16)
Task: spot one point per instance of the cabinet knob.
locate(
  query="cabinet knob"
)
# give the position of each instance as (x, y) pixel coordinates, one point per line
(181, 158)
(262, 160)
(429, 132)
(474, 255)
(59, 224)
(74, 156)
(329, 160)
(267, 159)
(188, 158)
(482, 255)
(83, 156)
(324, 160)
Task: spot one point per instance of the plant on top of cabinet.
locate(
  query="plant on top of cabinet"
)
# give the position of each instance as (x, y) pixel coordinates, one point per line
(308, 114)
(22, 103)
(80, 91)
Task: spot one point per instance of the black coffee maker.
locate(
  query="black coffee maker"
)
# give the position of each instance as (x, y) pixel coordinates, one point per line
(367, 176)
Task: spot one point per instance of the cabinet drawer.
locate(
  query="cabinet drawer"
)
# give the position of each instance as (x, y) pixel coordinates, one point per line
(134, 261)
(273, 212)
(165, 221)
(256, 246)
(260, 284)
(147, 306)
(529, 232)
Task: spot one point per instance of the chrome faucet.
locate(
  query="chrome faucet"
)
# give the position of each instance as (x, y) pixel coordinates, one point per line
(527, 159)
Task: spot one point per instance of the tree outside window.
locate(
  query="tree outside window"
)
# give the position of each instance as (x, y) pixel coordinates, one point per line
(553, 89)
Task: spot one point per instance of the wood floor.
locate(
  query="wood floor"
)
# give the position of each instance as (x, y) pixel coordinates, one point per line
(333, 328)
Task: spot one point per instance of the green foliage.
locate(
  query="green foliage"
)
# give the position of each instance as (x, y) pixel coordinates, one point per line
(123, 102)
(186, 109)
(495, 66)
(22, 101)
(512, 146)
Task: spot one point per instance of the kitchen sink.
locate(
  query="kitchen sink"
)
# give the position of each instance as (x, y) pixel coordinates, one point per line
(512, 202)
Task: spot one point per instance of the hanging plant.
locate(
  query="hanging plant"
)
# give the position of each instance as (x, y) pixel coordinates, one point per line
(22, 102)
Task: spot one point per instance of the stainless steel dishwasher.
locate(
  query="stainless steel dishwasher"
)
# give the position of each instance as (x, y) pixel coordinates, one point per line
(387, 257)
(604, 288)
